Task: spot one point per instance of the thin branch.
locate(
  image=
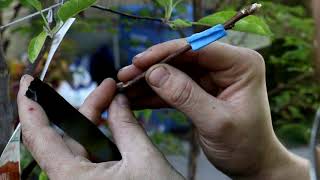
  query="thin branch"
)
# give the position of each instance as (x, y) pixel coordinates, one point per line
(228, 25)
(123, 86)
(6, 115)
(29, 16)
(242, 14)
(128, 15)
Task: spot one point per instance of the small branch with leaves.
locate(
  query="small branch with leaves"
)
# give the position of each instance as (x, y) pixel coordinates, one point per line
(227, 25)
(73, 7)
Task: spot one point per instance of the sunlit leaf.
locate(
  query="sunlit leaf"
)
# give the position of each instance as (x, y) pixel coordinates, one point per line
(180, 23)
(36, 4)
(36, 45)
(73, 7)
(250, 24)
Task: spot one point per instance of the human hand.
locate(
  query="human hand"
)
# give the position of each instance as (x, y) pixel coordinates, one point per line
(222, 89)
(63, 158)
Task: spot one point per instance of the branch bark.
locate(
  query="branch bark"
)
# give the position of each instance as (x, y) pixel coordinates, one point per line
(316, 13)
(194, 144)
(6, 112)
(128, 15)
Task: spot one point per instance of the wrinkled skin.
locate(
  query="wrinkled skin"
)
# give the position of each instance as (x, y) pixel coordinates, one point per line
(222, 89)
(63, 158)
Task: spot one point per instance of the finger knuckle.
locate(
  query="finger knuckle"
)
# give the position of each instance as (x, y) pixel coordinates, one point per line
(256, 63)
(257, 60)
(182, 94)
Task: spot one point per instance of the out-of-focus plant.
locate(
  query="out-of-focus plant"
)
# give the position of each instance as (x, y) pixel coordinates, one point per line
(294, 94)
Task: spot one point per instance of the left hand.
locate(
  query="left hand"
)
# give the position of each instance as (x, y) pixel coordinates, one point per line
(63, 158)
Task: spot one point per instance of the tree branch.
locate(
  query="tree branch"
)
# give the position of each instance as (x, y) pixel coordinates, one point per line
(241, 14)
(128, 15)
(6, 112)
(228, 25)
(316, 14)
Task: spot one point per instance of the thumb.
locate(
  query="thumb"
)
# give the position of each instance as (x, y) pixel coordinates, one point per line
(181, 92)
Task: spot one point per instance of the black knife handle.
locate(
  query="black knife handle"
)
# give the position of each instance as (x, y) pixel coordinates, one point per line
(73, 123)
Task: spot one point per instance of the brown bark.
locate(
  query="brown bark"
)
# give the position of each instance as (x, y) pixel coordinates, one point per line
(316, 13)
(6, 119)
(194, 144)
(193, 154)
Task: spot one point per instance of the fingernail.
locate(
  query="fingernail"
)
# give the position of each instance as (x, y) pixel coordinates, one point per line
(158, 76)
(122, 101)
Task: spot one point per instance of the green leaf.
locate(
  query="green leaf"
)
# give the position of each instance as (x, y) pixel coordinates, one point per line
(74, 7)
(5, 3)
(164, 3)
(168, 7)
(36, 45)
(180, 23)
(217, 18)
(36, 4)
(43, 176)
(250, 24)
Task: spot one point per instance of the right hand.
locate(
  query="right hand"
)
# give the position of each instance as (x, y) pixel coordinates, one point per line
(224, 93)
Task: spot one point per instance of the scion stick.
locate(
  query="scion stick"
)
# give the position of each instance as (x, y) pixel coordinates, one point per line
(227, 26)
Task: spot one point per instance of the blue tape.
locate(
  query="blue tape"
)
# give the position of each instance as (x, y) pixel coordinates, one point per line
(202, 39)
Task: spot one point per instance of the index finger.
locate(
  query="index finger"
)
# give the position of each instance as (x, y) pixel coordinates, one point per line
(217, 56)
(44, 143)
(98, 101)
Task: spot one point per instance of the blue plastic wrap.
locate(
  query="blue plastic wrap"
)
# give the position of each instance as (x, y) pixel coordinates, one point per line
(202, 39)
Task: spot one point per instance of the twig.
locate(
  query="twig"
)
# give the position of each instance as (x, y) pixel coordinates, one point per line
(242, 14)
(123, 86)
(228, 25)
(29, 16)
(128, 15)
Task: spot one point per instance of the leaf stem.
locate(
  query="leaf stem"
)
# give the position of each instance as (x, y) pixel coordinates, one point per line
(46, 23)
